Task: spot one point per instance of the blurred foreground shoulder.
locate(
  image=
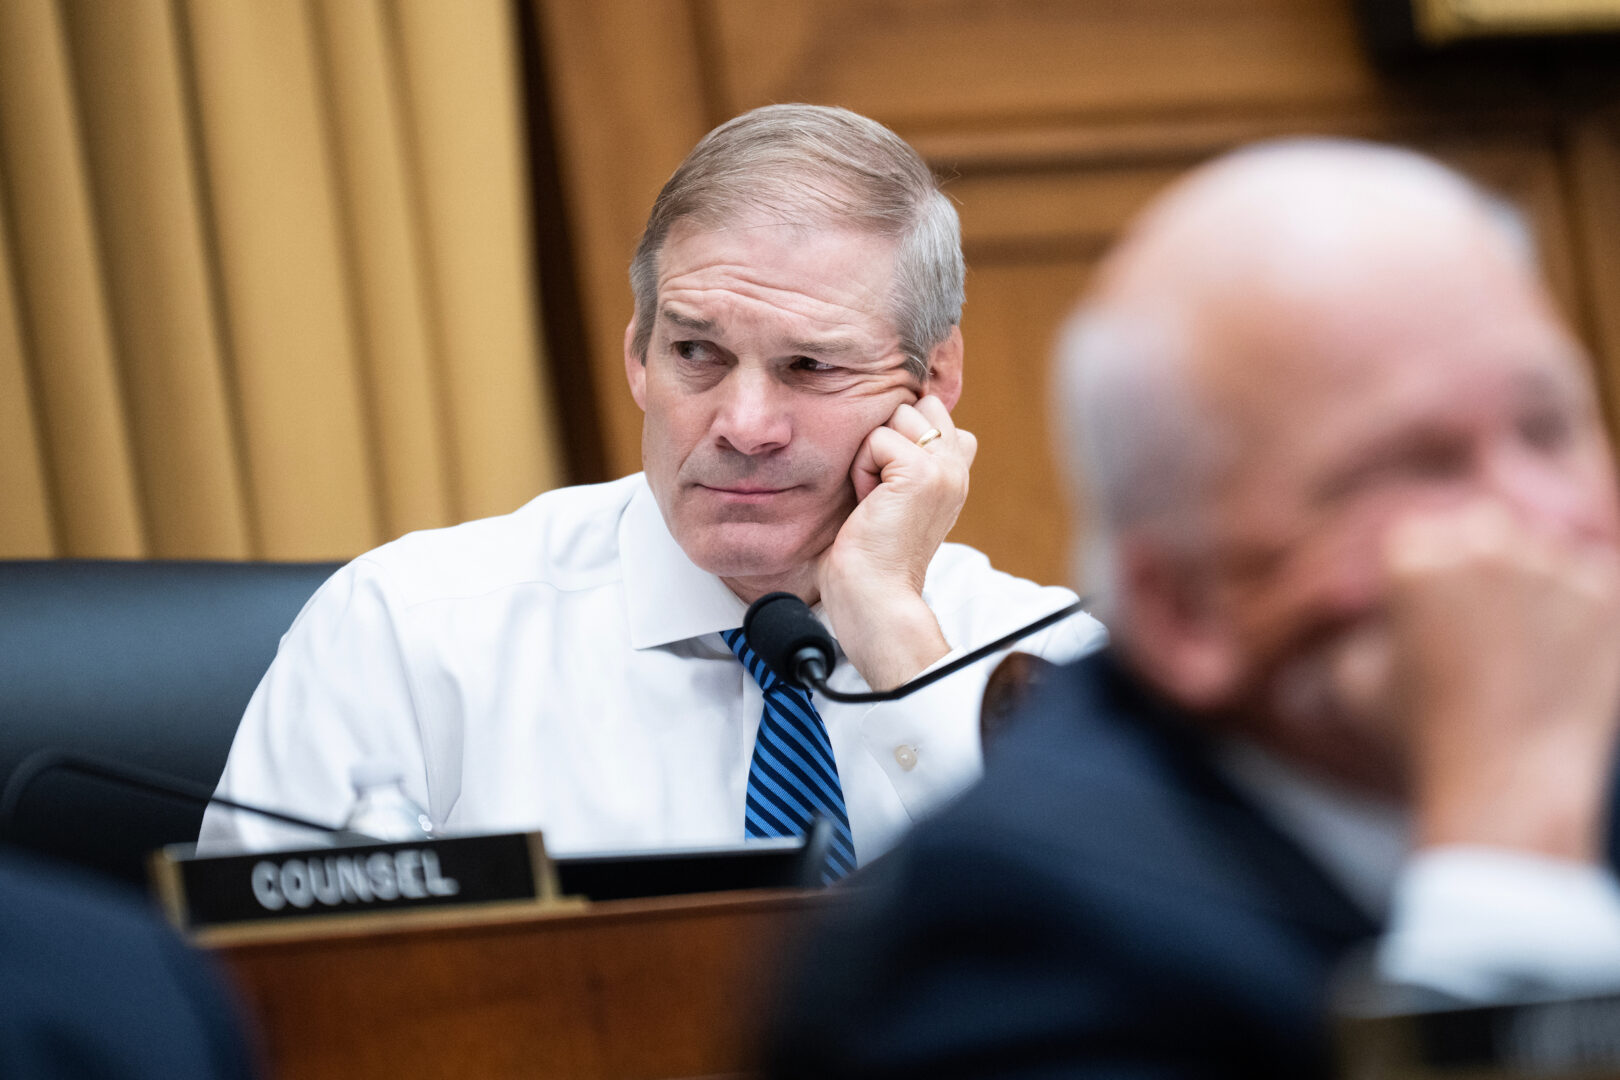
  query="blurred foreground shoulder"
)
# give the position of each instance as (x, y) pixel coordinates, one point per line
(94, 987)
(1100, 905)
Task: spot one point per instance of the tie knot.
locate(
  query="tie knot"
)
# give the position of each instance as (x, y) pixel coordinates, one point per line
(763, 675)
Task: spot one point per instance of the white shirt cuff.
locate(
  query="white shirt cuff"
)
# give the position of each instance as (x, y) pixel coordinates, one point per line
(1490, 924)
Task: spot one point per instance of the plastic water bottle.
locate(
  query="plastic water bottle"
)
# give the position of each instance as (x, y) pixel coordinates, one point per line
(382, 810)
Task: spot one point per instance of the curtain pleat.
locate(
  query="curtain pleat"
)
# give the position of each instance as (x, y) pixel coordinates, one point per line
(401, 376)
(63, 316)
(25, 517)
(265, 151)
(459, 63)
(132, 102)
(266, 279)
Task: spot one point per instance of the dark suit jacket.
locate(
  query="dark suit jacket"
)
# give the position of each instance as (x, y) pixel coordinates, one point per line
(1103, 904)
(92, 985)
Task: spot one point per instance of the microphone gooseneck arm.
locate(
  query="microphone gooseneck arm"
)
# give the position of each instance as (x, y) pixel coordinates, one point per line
(819, 683)
(151, 781)
(794, 644)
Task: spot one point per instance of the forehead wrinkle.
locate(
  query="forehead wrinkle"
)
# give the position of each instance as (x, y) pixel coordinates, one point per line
(736, 308)
(723, 269)
(751, 286)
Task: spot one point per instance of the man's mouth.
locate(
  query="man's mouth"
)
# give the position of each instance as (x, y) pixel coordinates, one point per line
(743, 492)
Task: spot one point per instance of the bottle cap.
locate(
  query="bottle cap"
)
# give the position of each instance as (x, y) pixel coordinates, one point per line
(374, 771)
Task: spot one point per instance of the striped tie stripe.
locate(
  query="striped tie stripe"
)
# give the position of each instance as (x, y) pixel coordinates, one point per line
(793, 778)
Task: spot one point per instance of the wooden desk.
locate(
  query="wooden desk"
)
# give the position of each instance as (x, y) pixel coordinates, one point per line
(631, 989)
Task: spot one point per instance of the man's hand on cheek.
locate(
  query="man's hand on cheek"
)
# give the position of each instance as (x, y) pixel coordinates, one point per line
(871, 577)
(1507, 663)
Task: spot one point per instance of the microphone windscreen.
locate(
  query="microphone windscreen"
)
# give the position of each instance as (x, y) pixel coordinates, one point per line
(778, 626)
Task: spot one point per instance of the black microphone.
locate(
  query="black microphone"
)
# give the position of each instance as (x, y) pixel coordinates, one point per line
(791, 641)
(797, 648)
(47, 760)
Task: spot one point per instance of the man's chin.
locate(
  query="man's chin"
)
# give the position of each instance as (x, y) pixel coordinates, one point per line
(752, 550)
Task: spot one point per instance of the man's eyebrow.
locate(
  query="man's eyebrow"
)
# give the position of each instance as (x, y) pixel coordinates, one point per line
(825, 347)
(835, 346)
(687, 322)
(1384, 450)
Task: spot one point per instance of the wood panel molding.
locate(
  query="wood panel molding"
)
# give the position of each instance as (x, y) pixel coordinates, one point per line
(927, 64)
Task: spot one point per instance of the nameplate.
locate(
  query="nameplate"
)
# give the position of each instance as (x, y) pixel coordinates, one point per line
(1567, 1039)
(351, 879)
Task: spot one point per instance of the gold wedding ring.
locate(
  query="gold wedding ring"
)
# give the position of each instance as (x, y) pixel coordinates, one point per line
(929, 436)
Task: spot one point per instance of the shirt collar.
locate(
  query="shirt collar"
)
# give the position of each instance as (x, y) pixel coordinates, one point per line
(1359, 839)
(669, 597)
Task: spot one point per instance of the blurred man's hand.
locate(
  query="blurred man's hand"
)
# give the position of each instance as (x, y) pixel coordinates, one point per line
(1507, 667)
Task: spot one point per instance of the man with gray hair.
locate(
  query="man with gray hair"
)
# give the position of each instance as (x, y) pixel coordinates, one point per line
(576, 666)
(1356, 508)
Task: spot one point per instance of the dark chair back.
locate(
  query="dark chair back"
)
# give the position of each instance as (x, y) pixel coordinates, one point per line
(147, 663)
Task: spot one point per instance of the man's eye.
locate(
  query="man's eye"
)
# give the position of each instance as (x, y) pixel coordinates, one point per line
(691, 350)
(810, 363)
(1441, 459)
(1546, 429)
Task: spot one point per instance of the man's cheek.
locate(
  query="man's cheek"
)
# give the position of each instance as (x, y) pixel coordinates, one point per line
(1299, 613)
(1361, 668)
(1336, 574)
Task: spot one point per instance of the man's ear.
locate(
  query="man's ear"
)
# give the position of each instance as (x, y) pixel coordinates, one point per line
(635, 366)
(945, 369)
(1174, 629)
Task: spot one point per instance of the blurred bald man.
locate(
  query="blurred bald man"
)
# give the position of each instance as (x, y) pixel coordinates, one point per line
(1355, 513)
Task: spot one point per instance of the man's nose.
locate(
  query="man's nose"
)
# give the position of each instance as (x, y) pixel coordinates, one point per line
(753, 418)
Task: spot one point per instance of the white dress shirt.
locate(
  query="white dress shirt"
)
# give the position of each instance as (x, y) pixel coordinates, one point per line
(1479, 923)
(561, 668)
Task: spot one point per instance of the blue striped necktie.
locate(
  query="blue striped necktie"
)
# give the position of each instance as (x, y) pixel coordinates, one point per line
(793, 779)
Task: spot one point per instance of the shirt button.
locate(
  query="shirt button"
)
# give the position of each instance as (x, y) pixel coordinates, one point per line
(905, 757)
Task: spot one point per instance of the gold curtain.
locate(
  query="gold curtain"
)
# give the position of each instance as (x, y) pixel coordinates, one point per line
(266, 286)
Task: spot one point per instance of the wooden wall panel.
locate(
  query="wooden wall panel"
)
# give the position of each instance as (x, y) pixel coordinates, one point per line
(628, 100)
(1594, 207)
(966, 61)
(1017, 501)
(1054, 122)
(1032, 241)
